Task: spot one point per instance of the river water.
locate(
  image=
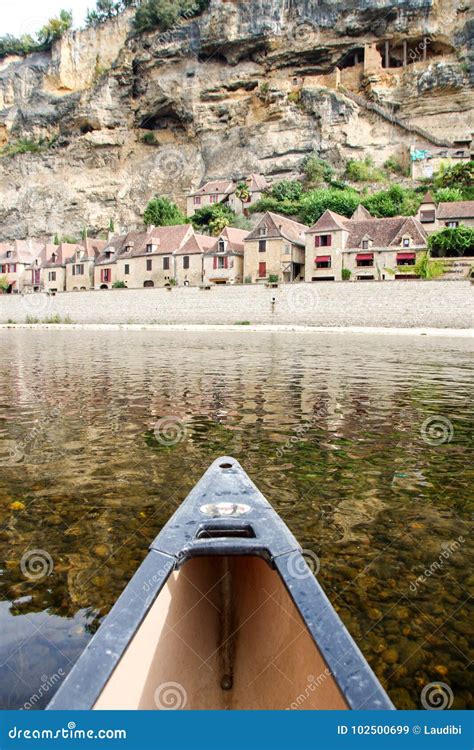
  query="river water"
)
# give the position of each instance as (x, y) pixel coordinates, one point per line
(363, 443)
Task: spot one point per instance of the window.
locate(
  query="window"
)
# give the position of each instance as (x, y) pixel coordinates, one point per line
(406, 242)
(262, 246)
(263, 231)
(128, 248)
(214, 198)
(197, 200)
(106, 275)
(262, 270)
(221, 262)
(427, 217)
(323, 240)
(78, 269)
(364, 260)
(452, 224)
(53, 257)
(9, 253)
(126, 269)
(149, 248)
(323, 261)
(149, 264)
(221, 246)
(52, 276)
(186, 261)
(166, 264)
(365, 244)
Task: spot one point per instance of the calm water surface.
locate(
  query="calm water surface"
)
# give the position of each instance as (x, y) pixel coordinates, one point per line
(328, 426)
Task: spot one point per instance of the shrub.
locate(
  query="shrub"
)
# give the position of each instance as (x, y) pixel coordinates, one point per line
(150, 139)
(4, 283)
(287, 190)
(162, 212)
(273, 278)
(316, 171)
(460, 175)
(451, 242)
(396, 201)
(213, 219)
(346, 274)
(107, 9)
(26, 145)
(315, 203)
(54, 29)
(164, 14)
(448, 194)
(363, 171)
(119, 285)
(396, 167)
(289, 208)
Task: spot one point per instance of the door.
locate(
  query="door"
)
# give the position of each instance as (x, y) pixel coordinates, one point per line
(262, 270)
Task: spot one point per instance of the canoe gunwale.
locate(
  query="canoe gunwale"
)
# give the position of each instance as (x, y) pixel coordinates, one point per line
(181, 540)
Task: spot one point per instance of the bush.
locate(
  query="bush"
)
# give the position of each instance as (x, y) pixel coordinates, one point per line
(119, 285)
(346, 274)
(150, 139)
(458, 176)
(396, 167)
(54, 29)
(26, 146)
(316, 202)
(452, 242)
(273, 278)
(287, 190)
(164, 14)
(448, 194)
(396, 201)
(363, 171)
(289, 208)
(107, 9)
(213, 219)
(162, 212)
(316, 171)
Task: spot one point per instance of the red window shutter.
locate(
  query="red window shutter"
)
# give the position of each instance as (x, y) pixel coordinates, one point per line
(101, 274)
(329, 240)
(215, 262)
(226, 262)
(317, 241)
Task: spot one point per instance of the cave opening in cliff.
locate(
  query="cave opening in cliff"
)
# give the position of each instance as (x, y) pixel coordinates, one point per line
(352, 58)
(163, 119)
(410, 51)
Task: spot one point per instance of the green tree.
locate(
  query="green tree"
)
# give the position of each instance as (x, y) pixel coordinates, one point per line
(162, 212)
(316, 171)
(242, 192)
(164, 14)
(452, 242)
(460, 175)
(448, 195)
(4, 284)
(316, 202)
(212, 219)
(396, 201)
(55, 28)
(287, 190)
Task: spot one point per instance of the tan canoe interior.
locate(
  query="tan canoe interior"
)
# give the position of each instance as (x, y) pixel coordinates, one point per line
(223, 634)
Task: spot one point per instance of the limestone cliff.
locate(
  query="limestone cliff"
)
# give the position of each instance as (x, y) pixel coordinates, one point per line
(251, 85)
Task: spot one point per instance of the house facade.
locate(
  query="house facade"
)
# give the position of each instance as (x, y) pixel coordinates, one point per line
(16, 263)
(363, 248)
(239, 196)
(209, 194)
(436, 217)
(254, 188)
(224, 260)
(53, 271)
(80, 266)
(275, 249)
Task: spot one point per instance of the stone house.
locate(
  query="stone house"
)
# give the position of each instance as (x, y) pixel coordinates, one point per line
(369, 248)
(189, 258)
(16, 262)
(209, 194)
(53, 270)
(275, 248)
(80, 266)
(224, 260)
(256, 186)
(436, 217)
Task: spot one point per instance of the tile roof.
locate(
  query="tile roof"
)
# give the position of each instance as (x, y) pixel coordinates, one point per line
(329, 221)
(167, 240)
(456, 210)
(385, 232)
(427, 198)
(65, 252)
(279, 226)
(257, 183)
(215, 187)
(361, 213)
(234, 238)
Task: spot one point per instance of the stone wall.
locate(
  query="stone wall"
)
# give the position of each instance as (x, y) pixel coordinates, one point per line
(401, 304)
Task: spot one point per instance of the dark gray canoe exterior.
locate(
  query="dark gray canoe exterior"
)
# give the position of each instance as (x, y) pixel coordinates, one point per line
(259, 531)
